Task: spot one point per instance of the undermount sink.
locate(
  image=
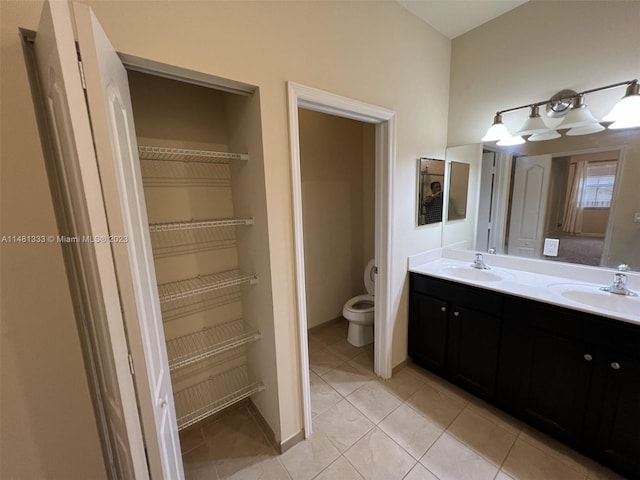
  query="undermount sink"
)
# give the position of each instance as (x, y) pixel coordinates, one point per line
(470, 273)
(593, 296)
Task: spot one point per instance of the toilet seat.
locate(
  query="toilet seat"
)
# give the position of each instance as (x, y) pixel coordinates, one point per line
(362, 304)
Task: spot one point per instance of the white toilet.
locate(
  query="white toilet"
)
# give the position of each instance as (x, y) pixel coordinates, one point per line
(359, 311)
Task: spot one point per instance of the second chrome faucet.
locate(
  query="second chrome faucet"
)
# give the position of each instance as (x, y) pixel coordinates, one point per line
(479, 263)
(619, 286)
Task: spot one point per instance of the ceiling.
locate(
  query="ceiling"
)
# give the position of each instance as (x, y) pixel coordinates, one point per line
(455, 17)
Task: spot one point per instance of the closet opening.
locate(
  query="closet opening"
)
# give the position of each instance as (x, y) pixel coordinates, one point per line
(200, 151)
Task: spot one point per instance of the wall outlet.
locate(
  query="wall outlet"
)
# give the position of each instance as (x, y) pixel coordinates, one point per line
(551, 247)
(636, 217)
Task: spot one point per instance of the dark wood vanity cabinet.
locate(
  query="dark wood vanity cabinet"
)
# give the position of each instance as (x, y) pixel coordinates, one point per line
(454, 331)
(614, 414)
(571, 374)
(575, 376)
(549, 366)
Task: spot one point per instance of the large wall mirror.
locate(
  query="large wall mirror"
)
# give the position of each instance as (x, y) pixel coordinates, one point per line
(430, 190)
(579, 194)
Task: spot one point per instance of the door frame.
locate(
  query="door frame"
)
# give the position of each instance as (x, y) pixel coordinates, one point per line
(498, 198)
(301, 96)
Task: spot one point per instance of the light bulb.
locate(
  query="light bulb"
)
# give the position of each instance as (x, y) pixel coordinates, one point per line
(548, 135)
(509, 141)
(594, 128)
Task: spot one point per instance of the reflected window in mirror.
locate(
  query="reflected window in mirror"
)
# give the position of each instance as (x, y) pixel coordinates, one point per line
(579, 191)
(570, 207)
(458, 190)
(430, 190)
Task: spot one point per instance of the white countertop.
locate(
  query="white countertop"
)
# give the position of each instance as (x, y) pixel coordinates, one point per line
(571, 286)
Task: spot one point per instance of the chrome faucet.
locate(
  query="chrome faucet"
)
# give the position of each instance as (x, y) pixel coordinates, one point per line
(479, 263)
(619, 286)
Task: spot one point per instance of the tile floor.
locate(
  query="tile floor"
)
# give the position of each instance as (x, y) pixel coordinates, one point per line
(414, 426)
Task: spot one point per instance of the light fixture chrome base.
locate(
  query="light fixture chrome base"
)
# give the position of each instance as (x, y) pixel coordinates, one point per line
(560, 104)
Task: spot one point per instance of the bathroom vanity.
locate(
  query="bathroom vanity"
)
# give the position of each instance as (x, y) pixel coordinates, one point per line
(523, 341)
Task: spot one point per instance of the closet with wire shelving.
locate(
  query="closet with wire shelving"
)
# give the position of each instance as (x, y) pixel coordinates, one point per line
(200, 160)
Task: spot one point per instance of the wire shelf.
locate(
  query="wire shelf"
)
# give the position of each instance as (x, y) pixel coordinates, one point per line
(189, 237)
(174, 310)
(223, 222)
(192, 348)
(178, 174)
(213, 395)
(170, 292)
(187, 155)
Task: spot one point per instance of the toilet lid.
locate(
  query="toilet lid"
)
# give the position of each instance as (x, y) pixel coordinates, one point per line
(370, 277)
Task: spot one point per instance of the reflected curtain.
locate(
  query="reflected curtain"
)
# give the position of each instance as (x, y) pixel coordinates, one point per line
(572, 219)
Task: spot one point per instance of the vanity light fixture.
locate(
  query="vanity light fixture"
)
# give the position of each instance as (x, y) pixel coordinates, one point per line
(497, 131)
(577, 117)
(548, 135)
(626, 113)
(534, 124)
(586, 130)
(510, 141)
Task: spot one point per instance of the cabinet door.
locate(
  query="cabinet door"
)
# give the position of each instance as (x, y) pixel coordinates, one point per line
(428, 331)
(556, 376)
(473, 349)
(619, 423)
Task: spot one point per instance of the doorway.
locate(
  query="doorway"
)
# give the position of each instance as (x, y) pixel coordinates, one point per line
(301, 96)
(337, 167)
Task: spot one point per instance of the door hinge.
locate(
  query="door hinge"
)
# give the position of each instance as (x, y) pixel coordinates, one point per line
(131, 364)
(81, 68)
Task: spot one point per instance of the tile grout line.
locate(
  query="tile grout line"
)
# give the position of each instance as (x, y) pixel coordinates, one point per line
(558, 459)
(481, 454)
(504, 460)
(574, 465)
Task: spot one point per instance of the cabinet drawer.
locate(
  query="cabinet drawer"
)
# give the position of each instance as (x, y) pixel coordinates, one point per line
(551, 319)
(621, 336)
(471, 297)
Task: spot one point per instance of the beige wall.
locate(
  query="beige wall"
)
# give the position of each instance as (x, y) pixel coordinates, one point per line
(594, 221)
(334, 208)
(623, 242)
(375, 52)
